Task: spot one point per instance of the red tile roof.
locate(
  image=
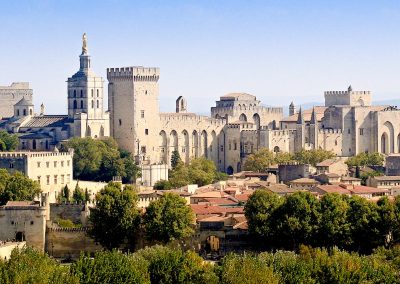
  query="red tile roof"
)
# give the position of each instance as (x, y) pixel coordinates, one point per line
(204, 209)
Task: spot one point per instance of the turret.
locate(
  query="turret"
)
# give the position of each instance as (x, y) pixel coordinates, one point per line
(23, 108)
(292, 109)
(181, 106)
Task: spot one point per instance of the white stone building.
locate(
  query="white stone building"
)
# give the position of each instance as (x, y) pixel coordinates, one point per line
(86, 116)
(10, 95)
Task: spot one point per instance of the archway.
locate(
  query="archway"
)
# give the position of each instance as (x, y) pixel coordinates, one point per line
(204, 144)
(229, 170)
(276, 149)
(185, 146)
(214, 147)
(173, 138)
(256, 119)
(384, 143)
(20, 236)
(163, 147)
(243, 117)
(195, 144)
(390, 147)
(239, 167)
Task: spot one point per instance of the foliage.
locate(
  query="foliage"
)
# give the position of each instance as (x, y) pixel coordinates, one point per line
(351, 223)
(366, 159)
(78, 194)
(116, 218)
(67, 223)
(313, 157)
(8, 142)
(168, 265)
(17, 187)
(168, 218)
(259, 161)
(259, 212)
(162, 185)
(111, 267)
(30, 266)
(200, 171)
(101, 160)
(246, 269)
(283, 158)
(175, 159)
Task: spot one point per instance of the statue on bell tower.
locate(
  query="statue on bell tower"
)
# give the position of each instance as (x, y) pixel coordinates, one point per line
(84, 44)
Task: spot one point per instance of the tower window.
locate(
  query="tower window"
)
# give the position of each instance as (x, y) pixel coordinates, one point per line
(348, 131)
(75, 105)
(92, 93)
(24, 112)
(81, 104)
(11, 165)
(17, 112)
(120, 122)
(92, 104)
(74, 93)
(142, 113)
(97, 92)
(145, 92)
(30, 112)
(98, 104)
(81, 94)
(361, 131)
(146, 131)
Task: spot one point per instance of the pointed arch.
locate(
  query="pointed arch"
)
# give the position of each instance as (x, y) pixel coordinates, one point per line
(384, 143)
(204, 143)
(163, 147)
(243, 117)
(195, 144)
(185, 146)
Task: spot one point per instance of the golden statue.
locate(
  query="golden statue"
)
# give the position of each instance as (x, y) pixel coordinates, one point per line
(84, 44)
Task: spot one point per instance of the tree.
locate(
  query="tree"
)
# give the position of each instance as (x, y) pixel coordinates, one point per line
(87, 195)
(101, 160)
(334, 229)
(259, 161)
(363, 217)
(313, 157)
(116, 218)
(260, 210)
(78, 194)
(65, 195)
(168, 218)
(387, 224)
(8, 142)
(365, 176)
(175, 159)
(283, 158)
(162, 185)
(366, 159)
(297, 219)
(17, 187)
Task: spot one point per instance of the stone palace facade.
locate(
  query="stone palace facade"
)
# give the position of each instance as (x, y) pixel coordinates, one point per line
(238, 125)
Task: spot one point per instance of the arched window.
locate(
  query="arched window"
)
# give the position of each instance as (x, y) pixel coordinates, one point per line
(24, 112)
(92, 93)
(34, 144)
(17, 112)
(98, 104)
(92, 104)
(30, 112)
(75, 105)
(81, 104)
(81, 93)
(74, 93)
(97, 92)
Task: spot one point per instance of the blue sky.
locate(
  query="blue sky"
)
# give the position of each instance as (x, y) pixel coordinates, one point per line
(277, 50)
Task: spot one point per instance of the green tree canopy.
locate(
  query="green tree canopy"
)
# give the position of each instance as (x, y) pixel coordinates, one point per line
(366, 159)
(101, 160)
(313, 156)
(8, 142)
(200, 171)
(259, 161)
(260, 210)
(168, 218)
(17, 187)
(175, 159)
(116, 218)
(78, 194)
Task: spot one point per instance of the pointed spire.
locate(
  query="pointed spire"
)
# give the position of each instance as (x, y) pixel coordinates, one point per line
(300, 119)
(313, 117)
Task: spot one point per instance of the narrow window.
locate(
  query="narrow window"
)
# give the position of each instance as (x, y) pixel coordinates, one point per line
(74, 93)
(81, 94)
(92, 104)
(97, 92)
(81, 104)
(92, 93)
(142, 113)
(98, 104)
(146, 131)
(120, 122)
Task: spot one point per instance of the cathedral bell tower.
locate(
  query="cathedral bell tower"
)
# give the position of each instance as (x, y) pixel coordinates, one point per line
(85, 88)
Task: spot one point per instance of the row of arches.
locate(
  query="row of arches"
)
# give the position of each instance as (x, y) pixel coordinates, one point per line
(190, 145)
(82, 93)
(75, 104)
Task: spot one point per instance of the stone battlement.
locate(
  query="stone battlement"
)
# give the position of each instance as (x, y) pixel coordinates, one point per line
(17, 86)
(328, 131)
(282, 132)
(137, 73)
(335, 93)
(190, 118)
(260, 109)
(33, 154)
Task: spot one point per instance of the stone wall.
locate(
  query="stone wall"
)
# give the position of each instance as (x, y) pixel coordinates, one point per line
(69, 242)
